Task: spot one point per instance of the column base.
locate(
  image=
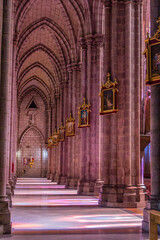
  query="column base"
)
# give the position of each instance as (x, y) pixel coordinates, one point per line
(5, 224)
(56, 176)
(88, 188)
(98, 186)
(48, 176)
(9, 194)
(61, 180)
(53, 177)
(12, 186)
(150, 205)
(14, 178)
(71, 183)
(122, 196)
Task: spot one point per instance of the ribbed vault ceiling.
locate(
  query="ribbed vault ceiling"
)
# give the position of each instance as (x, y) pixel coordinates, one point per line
(47, 34)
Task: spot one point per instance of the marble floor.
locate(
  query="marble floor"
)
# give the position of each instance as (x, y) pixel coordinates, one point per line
(131, 236)
(43, 210)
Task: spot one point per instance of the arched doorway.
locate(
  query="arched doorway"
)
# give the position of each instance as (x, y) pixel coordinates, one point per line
(32, 155)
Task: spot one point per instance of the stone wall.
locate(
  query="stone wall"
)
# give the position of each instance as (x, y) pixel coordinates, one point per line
(32, 135)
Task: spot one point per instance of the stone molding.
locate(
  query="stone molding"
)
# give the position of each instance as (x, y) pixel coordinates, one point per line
(108, 3)
(74, 67)
(57, 94)
(83, 43)
(92, 40)
(64, 84)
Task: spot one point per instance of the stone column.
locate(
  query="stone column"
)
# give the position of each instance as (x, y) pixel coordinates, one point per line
(75, 139)
(63, 145)
(105, 120)
(121, 146)
(49, 135)
(83, 143)
(60, 163)
(76, 95)
(4, 113)
(57, 148)
(9, 189)
(49, 164)
(90, 72)
(89, 158)
(154, 202)
(51, 150)
(98, 48)
(70, 139)
(13, 139)
(13, 130)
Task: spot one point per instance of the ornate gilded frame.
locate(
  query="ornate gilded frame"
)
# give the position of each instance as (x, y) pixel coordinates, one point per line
(55, 138)
(152, 54)
(70, 126)
(50, 142)
(61, 133)
(109, 97)
(84, 115)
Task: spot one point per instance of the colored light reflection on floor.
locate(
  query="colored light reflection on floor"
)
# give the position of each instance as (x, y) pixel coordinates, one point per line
(40, 187)
(54, 202)
(27, 226)
(34, 210)
(119, 216)
(108, 221)
(121, 220)
(44, 192)
(116, 225)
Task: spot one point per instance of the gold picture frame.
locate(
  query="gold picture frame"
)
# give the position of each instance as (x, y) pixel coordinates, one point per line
(50, 142)
(109, 97)
(55, 138)
(61, 133)
(70, 126)
(152, 54)
(84, 115)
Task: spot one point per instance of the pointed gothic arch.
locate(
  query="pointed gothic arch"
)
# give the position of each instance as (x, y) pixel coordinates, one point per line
(34, 128)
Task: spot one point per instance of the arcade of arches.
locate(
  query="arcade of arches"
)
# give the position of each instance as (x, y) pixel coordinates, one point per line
(53, 54)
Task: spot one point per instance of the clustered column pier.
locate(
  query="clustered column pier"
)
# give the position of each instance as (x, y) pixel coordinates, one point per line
(5, 220)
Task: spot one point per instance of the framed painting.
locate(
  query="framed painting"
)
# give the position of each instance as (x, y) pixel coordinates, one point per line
(152, 54)
(155, 60)
(84, 115)
(70, 126)
(61, 133)
(50, 142)
(109, 97)
(25, 162)
(55, 138)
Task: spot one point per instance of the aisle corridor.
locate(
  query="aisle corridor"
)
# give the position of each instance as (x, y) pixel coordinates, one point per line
(43, 207)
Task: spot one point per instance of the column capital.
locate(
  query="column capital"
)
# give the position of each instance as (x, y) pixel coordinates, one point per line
(128, 1)
(74, 67)
(89, 39)
(107, 3)
(83, 43)
(138, 1)
(69, 68)
(15, 38)
(48, 110)
(64, 84)
(53, 104)
(99, 39)
(57, 94)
